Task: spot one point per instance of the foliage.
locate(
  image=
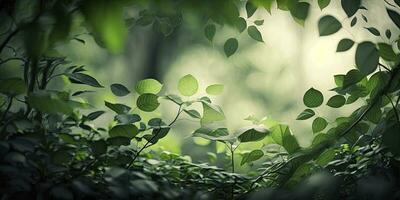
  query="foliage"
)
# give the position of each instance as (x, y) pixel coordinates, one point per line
(50, 150)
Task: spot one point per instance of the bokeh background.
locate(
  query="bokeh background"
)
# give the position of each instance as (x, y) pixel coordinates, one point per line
(261, 79)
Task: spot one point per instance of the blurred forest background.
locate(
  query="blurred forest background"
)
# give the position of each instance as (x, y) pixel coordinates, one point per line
(261, 80)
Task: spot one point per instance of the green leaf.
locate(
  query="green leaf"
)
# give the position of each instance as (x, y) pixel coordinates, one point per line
(252, 133)
(94, 115)
(241, 24)
(79, 78)
(386, 52)
(230, 46)
(397, 2)
(282, 135)
(374, 114)
(344, 45)
(305, 114)
(373, 30)
(211, 113)
(174, 98)
(352, 77)
(151, 86)
(61, 157)
(259, 22)
(215, 89)
(220, 134)
(127, 118)
(388, 34)
(350, 7)
(313, 98)
(157, 134)
(193, 113)
(353, 22)
(119, 90)
(188, 85)
(106, 20)
(254, 33)
(328, 25)
(394, 16)
(147, 102)
(49, 103)
(299, 10)
(98, 147)
(367, 57)
(209, 31)
(118, 108)
(325, 157)
(391, 138)
(119, 141)
(339, 80)
(252, 156)
(12, 86)
(336, 101)
(319, 124)
(323, 3)
(250, 9)
(125, 130)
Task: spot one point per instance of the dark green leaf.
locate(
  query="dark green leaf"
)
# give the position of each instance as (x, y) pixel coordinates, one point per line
(367, 57)
(353, 21)
(12, 86)
(209, 31)
(98, 147)
(250, 9)
(79, 78)
(49, 103)
(230, 46)
(344, 45)
(126, 130)
(325, 157)
(127, 118)
(394, 16)
(352, 77)
(328, 25)
(388, 34)
(323, 3)
(147, 102)
(336, 101)
(391, 138)
(252, 156)
(254, 33)
(319, 124)
(373, 30)
(350, 7)
(119, 90)
(252, 133)
(157, 134)
(305, 114)
(241, 24)
(313, 98)
(94, 115)
(119, 141)
(118, 108)
(386, 52)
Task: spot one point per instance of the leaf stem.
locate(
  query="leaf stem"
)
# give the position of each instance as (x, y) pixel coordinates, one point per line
(153, 137)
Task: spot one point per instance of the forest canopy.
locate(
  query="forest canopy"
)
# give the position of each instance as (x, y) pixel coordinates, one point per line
(147, 99)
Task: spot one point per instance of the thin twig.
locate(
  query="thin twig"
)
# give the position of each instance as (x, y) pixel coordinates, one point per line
(385, 67)
(394, 108)
(153, 137)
